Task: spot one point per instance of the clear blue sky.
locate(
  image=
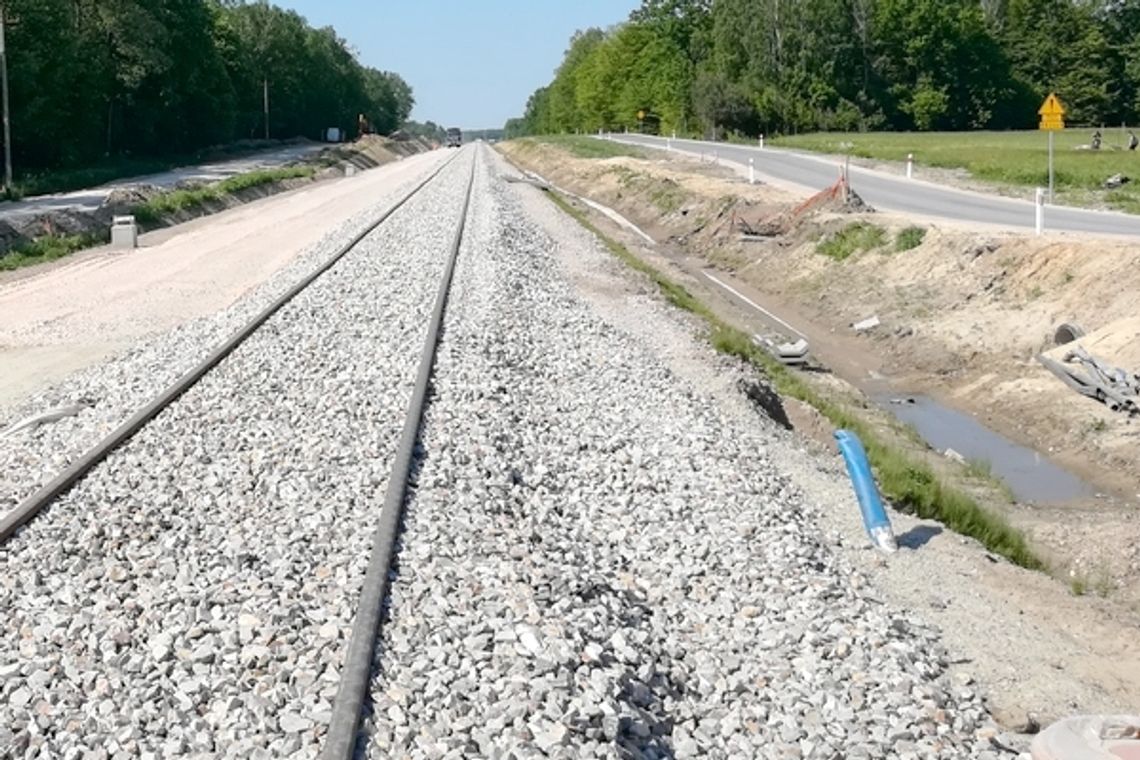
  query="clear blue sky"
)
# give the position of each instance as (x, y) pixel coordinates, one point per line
(470, 64)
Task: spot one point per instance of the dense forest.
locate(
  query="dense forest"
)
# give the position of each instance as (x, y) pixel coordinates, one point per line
(92, 79)
(786, 66)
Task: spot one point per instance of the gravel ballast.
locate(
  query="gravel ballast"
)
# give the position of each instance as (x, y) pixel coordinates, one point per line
(600, 561)
(116, 389)
(192, 594)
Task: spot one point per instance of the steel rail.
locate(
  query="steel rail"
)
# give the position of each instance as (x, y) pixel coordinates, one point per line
(73, 473)
(356, 672)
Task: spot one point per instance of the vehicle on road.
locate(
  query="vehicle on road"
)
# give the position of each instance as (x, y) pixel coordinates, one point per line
(454, 137)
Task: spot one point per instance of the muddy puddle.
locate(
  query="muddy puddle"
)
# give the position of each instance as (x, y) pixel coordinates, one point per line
(1031, 477)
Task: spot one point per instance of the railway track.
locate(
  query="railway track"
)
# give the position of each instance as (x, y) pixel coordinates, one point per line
(204, 648)
(580, 550)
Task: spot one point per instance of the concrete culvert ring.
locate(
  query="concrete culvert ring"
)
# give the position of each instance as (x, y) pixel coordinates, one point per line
(1067, 333)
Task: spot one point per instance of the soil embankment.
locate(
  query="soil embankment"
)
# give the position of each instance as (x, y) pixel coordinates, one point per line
(962, 318)
(1041, 648)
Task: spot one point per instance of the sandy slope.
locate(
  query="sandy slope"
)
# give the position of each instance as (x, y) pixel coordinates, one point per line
(64, 316)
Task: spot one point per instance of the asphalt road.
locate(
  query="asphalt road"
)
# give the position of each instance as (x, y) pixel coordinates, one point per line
(894, 193)
(92, 198)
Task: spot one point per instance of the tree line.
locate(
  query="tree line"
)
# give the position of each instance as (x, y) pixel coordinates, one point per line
(92, 79)
(787, 66)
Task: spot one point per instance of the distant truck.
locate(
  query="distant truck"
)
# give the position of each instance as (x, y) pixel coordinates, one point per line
(454, 137)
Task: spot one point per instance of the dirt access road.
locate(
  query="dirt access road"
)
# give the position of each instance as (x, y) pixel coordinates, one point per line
(90, 199)
(60, 317)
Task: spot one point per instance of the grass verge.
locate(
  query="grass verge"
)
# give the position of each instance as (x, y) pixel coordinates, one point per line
(52, 247)
(48, 248)
(1016, 158)
(907, 482)
(581, 146)
(174, 201)
(63, 180)
(854, 238)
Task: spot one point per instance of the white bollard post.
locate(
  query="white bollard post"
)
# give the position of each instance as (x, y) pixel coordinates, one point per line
(751, 172)
(910, 166)
(1040, 217)
(674, 134)
(761, 142)
(124, 232)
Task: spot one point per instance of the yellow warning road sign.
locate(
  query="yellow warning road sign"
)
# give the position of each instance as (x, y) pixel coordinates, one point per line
(641, 114)
(1052, 113)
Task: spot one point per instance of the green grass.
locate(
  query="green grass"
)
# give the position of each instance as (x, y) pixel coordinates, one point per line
(667, 197)
(1099, 583)
(582, 146)
(906, 481)
(174, 201)
(63, 180)
(909, 238)
(1079, 585)
(980, 469)
(47, 248)
(854, 238)
(1008, 158)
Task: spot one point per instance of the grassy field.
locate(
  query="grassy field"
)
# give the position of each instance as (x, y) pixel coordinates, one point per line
(1005, 158)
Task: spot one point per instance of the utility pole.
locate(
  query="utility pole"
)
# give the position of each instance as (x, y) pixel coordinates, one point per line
(265, 100)
(4, 87)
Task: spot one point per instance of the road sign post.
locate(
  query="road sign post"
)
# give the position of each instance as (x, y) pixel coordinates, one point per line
(1050, 167)
(1052, 115)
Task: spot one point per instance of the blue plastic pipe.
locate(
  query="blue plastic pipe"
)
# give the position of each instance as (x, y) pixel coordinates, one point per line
(875, 518)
